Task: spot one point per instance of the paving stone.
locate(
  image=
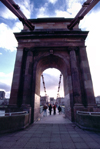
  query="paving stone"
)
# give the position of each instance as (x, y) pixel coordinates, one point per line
(94, 145)
(43, 145)
(56, 145)
(81, 145)
(88, 139)
(34, 140)
(45, 140)
(69, 145)
(55, 140)
(31, 144)
(66, 140)
(77, 139)
(43, 137)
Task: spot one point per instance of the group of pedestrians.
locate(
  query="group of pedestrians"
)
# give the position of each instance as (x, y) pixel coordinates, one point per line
(50, 107)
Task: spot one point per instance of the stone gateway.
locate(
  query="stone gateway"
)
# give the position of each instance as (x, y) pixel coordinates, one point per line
(52, 45)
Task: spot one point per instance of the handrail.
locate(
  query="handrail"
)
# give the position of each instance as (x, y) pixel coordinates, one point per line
(87, 112)
(15, 113)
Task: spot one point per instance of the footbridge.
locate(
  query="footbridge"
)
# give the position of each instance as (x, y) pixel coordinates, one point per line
(52, 43)
(53, 135)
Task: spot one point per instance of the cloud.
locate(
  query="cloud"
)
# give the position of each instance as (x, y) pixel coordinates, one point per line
(26, 7)
(5, 83)
(4, 86)
(7, 38)
(60, 13)
(67, 9)
(6, 78)
(51, 79)
(52, 1)
(18, 26)
(74, 9)
(71, 2)
(0, 53)
(42, 11)
(7, 14)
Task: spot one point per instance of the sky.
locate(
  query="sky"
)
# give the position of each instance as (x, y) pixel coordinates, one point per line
(33, 9)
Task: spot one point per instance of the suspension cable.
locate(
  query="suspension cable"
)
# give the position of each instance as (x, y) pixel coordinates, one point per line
(44, 84)
(58, 95)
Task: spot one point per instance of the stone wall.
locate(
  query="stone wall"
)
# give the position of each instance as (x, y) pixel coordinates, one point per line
(87, 121)
(13, 123)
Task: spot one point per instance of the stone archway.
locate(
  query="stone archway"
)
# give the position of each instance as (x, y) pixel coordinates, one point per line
(55, 61)
(52, 45)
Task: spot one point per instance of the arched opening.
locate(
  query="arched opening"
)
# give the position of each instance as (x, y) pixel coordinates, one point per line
(55, 61)
(51, 61)
(51, 86)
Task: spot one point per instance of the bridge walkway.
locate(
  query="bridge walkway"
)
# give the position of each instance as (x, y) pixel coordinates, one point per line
(51, 132)
(53, 119)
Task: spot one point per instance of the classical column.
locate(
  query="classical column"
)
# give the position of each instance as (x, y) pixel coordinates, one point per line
(86, 76)
(75, 77)
(35, 97)
(28, 78)
(16, 77)
(33, 93)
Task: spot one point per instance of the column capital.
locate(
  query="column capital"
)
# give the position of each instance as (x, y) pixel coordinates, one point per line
(72, 48)
(29, 49)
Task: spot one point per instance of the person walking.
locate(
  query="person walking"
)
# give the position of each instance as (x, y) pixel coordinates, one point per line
(50, 108)
(54, 109)
(59, 109)
(45, 110)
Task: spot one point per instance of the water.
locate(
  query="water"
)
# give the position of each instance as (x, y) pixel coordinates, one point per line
(2, 112)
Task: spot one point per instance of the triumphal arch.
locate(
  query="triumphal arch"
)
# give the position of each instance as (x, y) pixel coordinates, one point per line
(52, 45)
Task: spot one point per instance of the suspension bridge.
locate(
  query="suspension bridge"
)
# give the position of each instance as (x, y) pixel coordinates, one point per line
(58, 95)
(51, 43)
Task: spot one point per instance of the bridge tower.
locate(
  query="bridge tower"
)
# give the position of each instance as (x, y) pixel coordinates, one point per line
(52, 45)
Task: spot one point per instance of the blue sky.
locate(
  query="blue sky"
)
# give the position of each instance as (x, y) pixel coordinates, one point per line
(9, 24)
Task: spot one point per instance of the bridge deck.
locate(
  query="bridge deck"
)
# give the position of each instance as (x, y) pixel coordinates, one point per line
(51, 134)
(53, 119)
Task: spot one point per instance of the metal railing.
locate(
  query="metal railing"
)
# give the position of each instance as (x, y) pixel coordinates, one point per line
(14, 113)
(63, 109)
(41, 109)
(88, 113)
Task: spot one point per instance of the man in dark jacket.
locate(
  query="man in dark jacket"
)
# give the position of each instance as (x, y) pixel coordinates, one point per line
(50, 108)
(59, 109)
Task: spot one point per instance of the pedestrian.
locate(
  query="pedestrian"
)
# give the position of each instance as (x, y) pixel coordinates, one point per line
(45, 110)
(50, 108)
(59, 109)
(54, 109)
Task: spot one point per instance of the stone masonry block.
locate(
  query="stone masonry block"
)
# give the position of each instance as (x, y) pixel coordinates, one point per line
(87, 76)
(83, 54)
(88, 84)
(70, 83)
(84, 64)
(19, 53)
(17, 70)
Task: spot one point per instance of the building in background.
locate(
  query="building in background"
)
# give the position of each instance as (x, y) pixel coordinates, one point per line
(52, 101)
(3, 100)
(97, 99)
(44, 100)
(2, 95)
(60, 101)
